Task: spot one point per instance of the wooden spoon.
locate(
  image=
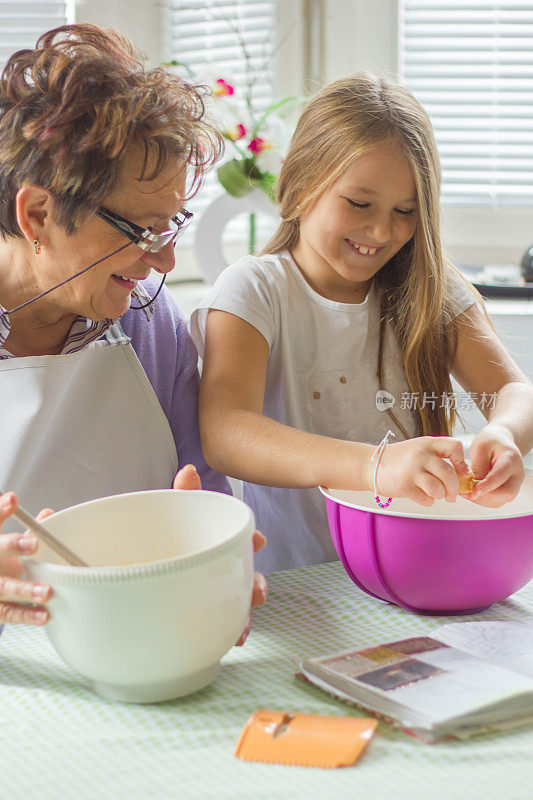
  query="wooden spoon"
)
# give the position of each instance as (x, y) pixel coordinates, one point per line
(48, 538)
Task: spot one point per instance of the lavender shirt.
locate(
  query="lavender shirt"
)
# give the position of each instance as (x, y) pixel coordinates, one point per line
(170, 359)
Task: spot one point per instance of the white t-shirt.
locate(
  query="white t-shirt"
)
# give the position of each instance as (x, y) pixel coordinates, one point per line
(321, 378)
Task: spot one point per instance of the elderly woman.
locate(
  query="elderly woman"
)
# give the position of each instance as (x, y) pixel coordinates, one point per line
(98, 374)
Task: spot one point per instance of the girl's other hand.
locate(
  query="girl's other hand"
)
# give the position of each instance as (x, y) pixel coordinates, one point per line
(188, 478)
(416, 469)
(13, 590)
(497, 463)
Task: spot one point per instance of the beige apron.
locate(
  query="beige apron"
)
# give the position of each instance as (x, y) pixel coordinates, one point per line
(80, 426)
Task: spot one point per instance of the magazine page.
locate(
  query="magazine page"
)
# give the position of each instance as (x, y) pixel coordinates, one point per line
(396, 716)
(509, 644)
(428, 676)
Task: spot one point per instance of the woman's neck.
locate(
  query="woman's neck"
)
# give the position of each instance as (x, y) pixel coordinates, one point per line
(37, 341)
(39, 328)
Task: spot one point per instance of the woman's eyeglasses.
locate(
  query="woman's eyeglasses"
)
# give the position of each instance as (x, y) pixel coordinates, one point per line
(144, 237)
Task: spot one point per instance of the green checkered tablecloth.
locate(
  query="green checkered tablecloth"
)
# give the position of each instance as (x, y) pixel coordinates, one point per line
(60, 741)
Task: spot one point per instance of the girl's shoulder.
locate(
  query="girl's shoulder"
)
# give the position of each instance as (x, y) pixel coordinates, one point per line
(250, 269)
(253, 280)
(459, 292)
(254, 288)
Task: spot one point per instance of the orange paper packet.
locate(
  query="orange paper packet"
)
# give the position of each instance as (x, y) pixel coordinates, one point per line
(306, 740)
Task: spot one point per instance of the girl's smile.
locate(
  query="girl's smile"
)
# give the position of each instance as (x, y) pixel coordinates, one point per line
(358, 224)
(367, 250)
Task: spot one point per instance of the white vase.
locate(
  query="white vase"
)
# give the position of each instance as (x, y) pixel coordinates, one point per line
(210, 228)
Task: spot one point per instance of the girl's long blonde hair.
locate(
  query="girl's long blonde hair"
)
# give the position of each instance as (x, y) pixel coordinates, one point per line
(340, 123)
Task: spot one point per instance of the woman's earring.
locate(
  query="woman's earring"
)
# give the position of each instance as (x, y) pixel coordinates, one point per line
(37, 246)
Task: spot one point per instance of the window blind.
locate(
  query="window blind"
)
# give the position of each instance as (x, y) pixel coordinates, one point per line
(470, 64)
(22, 22)
(210, 36)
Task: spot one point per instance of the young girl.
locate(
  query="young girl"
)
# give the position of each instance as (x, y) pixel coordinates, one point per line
(349, 324)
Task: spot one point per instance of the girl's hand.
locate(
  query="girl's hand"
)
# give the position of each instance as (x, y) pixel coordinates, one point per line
(188, 478)
(497, 461)
(416, 469)
(13, 590)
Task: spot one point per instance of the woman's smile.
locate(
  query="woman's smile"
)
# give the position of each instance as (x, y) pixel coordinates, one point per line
(127, 282)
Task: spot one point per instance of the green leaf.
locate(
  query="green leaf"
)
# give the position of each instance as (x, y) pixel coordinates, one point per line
(268, 185)
(238, 177)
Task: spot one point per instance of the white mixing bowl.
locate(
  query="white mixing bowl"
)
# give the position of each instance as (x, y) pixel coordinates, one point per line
(147, 632)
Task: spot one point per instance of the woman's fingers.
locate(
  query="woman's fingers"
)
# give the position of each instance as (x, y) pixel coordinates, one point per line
(22, 615)
(8, 504)
(13, 545)
(244, 634)
(17, 544)
(187, 478)
(258, 598)
(13, 590)
(259, 594)
(260, 590)
(259, 541)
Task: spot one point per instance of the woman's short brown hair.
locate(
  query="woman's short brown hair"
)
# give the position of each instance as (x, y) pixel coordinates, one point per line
(71, 109)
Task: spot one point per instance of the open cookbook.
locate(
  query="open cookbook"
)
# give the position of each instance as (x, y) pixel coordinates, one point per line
(465, 678)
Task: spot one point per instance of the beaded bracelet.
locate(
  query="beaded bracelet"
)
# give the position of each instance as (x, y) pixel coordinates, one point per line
(378, 452)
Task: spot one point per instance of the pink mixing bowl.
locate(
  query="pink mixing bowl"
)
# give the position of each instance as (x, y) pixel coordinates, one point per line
(448, 559)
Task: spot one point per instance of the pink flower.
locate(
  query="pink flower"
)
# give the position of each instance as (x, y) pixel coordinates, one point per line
(224, 89)
(257, 145)
(238, 132)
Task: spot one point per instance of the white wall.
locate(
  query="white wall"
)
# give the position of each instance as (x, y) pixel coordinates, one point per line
(141, 20)
(360, 34)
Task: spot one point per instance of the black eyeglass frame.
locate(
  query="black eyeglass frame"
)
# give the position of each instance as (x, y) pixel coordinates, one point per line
(144, 237)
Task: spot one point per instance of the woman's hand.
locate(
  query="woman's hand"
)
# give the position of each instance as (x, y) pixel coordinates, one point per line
(260, 589)
(13, 590)
(188, 478)
(416, 469)
(497, 463)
